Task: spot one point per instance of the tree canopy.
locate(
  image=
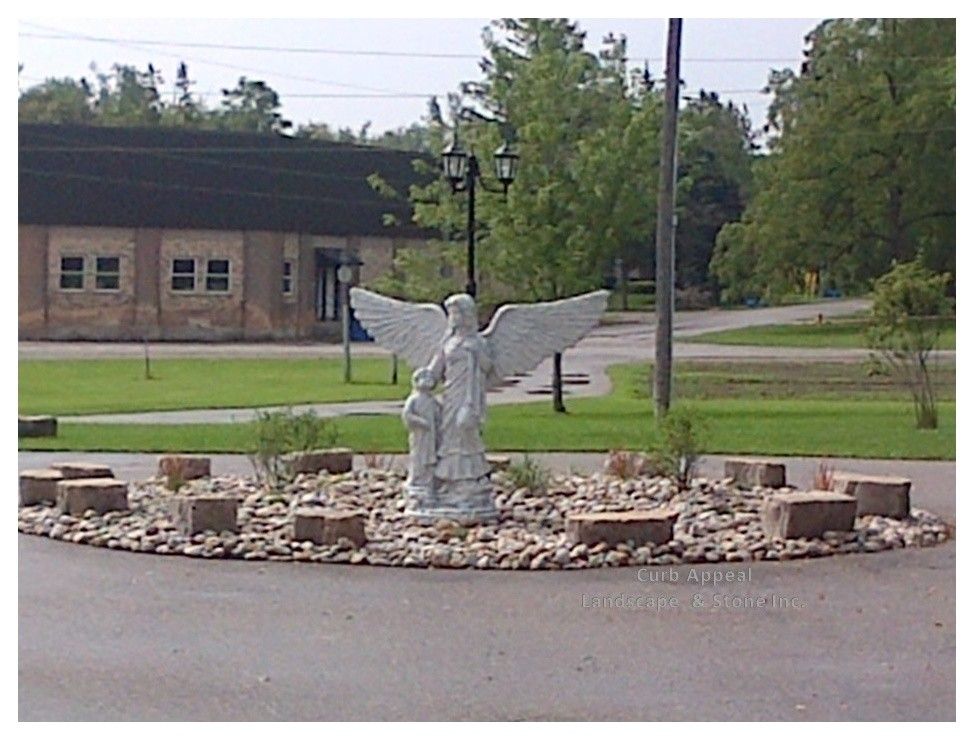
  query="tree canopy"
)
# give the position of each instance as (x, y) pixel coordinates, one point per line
(861, 163)
(129, 96)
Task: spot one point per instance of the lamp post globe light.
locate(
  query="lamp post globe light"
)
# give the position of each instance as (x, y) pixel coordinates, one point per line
(461, 169)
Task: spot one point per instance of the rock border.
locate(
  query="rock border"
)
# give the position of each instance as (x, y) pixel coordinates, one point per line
(716, 523)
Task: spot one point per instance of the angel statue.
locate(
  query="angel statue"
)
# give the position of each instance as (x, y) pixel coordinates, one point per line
(467, 363)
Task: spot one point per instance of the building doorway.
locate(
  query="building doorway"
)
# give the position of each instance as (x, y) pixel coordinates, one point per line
(327, 294)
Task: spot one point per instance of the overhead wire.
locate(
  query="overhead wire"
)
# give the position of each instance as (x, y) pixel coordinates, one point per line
(240, 68)
(69, 35)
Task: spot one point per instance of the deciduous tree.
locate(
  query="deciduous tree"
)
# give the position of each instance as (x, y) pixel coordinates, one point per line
(861, 164)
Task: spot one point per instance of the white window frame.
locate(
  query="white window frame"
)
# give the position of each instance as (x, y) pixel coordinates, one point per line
(117, 273)
(173, 275)
(62, 272)
(217, 275)
(288, 278)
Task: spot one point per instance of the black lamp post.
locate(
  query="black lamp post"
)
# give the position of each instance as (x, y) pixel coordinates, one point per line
(462, 170)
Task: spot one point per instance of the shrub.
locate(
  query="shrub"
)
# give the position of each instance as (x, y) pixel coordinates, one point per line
(910, 309)
(175, 474)
(681, 440)
(623, 464)
(377, 461)
(823, 477)
(529, 473)
(281, 432)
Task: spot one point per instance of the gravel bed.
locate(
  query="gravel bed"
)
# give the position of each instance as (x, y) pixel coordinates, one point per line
(717, 523)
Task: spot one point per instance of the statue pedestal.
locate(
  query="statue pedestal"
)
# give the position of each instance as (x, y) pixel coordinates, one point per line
(464, 502)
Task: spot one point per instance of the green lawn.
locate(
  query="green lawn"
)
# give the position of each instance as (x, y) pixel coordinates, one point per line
(830, 409)
(116, 386)
(840, 333)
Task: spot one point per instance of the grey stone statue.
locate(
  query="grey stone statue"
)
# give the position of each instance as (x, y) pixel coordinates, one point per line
(449, 474)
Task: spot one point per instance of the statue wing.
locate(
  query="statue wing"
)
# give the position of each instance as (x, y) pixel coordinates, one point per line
(414, 331)
(521, 335)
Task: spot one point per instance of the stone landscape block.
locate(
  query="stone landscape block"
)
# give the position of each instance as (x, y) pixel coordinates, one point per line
(498, 462)
(326, 527)
(196, 514)
(655, 526)
(185, 467)
(884, 495)
(39, 486)
(37, 426)
(73, 470)
(335, 460)
(808, 514)
(752, 471)
(75, 497)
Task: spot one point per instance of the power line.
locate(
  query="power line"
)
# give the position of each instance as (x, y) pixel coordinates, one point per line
(687, 94)
(68, 36)
(246, 47)
(220, 93)
(213, 63)
(686, 89)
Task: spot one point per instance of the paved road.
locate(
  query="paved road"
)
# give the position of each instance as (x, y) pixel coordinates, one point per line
(117, 636)
(112, 635)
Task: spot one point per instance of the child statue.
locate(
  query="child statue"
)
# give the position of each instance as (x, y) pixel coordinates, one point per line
(421, 415)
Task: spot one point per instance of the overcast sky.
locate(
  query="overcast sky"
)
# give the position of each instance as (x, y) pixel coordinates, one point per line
(765, 43)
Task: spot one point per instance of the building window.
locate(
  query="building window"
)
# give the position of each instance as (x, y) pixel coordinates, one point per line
(218, 276)
(106, 273)
(287, 286)
(184, 274)
(72, 273)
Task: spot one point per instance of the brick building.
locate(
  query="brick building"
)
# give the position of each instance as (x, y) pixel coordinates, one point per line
(162, 233)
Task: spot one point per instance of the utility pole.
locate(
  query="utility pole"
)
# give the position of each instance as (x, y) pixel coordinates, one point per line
(666, 227)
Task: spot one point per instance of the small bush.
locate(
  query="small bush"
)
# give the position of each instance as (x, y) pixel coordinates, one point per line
(281, 432)
(681, 440)
(378, 462)
(529, 473)
(175, 474)
(823, 477)
(911, 308)
(624, 464)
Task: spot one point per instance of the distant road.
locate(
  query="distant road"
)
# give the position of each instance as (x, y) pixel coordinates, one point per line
(638, 326)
